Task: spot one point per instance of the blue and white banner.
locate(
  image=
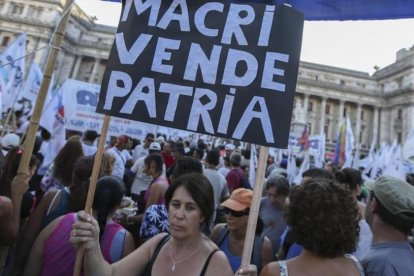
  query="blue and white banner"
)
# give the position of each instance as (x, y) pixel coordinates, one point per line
(345, 9)
(12, 68)
(80, 101)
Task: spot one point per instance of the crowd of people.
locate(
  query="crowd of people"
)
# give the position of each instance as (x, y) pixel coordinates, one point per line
(164, 207)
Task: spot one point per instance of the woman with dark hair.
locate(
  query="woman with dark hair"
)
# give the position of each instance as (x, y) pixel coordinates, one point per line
(57, 203)
(155, 193)
(15, 202)
(52, 253)
(324, 220)
(59, 174)
(230, 236)
(351, 180)
(185, 251)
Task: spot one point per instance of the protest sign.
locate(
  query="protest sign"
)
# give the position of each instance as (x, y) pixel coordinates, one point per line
(212, 67)
(80, 100)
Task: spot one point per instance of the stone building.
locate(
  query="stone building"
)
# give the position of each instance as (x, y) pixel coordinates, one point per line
(380, 106)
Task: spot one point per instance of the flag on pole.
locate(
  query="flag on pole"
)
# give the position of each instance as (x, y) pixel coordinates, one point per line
(304, 139)
(53, 121)
(291, 168)
(303, 168)
(32, 84)
(12, 70)
(344, 145)
(320, 157)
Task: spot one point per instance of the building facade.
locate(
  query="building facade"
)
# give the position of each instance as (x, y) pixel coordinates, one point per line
(380, 106)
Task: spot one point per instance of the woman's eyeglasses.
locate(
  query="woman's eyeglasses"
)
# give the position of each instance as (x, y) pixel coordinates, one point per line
(236, 214)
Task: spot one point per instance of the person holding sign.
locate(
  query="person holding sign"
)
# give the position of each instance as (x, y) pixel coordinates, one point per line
(185, 251)
(324, 219)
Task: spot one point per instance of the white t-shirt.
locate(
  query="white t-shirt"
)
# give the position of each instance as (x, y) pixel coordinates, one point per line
(88, 149)
(121, 157)
(139, 152)
(141, 180)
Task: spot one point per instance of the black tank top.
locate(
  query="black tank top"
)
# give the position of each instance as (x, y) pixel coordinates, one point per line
(148, 269)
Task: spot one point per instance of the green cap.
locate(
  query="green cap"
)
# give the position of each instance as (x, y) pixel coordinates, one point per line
(396, 196)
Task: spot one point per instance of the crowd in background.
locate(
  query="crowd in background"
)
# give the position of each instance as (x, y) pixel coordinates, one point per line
(331, 223)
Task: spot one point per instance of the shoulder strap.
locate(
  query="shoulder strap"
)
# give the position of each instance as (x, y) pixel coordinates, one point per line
(161, 243)
(51, 203)
(257, 251)
(357, 263)
(219, 238)
(203, 271)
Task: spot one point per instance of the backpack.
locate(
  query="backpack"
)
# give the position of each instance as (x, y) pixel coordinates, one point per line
(256, 258)
(244, 183)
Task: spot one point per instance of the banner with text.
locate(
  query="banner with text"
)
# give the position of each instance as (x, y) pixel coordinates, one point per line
(80, 100)
(212, 67)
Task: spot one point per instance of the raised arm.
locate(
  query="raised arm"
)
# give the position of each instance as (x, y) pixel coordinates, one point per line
(86, 231)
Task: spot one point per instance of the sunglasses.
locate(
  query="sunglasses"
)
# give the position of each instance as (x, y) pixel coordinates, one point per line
(236, 214)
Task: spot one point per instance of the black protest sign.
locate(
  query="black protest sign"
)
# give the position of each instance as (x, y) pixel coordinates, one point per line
(218, 68)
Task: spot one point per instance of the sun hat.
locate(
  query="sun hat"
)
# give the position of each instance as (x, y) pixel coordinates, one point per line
(240, 199)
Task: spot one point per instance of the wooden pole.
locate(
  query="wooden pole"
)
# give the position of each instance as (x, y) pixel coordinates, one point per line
(44, 87)
(254, 208)
(92, 187)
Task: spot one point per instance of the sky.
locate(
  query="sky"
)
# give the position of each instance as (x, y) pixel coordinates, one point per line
(355, 45)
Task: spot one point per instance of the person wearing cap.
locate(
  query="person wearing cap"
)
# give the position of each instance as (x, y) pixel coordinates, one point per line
(141, 179)
(230, 236)
(228, 150)
(121, 154)
(9, 141)
(390, 213)
(143, 149)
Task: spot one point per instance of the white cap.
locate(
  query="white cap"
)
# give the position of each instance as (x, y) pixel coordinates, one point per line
(10, 140)
(155, 146)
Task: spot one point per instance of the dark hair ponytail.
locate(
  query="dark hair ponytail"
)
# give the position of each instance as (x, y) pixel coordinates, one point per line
(108, 195)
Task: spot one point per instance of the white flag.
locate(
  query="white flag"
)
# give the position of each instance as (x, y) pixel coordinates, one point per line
(13, 72)
(53, 121)
(303, 168)
(408, 148)
(291, 168)
(349, 144)
(320, 157)
(31, 87)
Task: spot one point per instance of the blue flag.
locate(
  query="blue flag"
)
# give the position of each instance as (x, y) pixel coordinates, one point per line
(345, 9)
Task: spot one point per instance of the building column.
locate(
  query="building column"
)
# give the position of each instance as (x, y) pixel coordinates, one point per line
(76, 67)
(94, 70)
(322, 120)
(305, 106)
(341, 111)
(25, 11)
(375, 125)
(358, 123)
(5, 8)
